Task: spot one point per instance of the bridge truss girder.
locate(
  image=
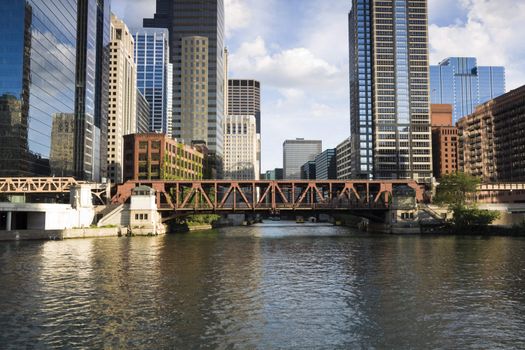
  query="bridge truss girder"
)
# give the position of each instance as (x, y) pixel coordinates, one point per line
(232, 196)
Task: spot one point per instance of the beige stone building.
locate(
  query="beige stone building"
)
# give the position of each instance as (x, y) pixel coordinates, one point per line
(343, 157)
(122, 96)
(194, 89)
(240, 148)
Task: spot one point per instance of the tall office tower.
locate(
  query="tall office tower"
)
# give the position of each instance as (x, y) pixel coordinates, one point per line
(154, 76)
(240, 148)
(244, 98)
(460, 82)
(92, 96)
(53, 68)
(343, 157)
(389, 97)
(123, 96)
(196, 31)
(143, 113)
(296, 153)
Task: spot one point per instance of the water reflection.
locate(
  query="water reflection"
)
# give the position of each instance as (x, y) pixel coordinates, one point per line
(264, 287)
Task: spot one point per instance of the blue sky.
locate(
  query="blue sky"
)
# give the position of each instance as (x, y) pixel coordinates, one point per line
(298, 49)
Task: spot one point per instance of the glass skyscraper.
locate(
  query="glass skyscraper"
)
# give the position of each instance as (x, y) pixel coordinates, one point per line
(52, 104)
(92, 102)
(196, 34)
(154, 76)
(389, 104)
(459, 81)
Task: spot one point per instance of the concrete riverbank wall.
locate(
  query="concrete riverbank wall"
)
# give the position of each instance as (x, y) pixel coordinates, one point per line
(98, 232)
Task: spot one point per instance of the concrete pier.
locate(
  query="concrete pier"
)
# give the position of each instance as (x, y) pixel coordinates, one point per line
(8, 221)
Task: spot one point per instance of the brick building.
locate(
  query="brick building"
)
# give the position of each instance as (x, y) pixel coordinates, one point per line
(444, 141)
(158, 157)
(492, 139)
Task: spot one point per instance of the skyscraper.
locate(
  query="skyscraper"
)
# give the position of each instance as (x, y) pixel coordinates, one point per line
(390, 116)
(92, 96)
(53, 73)
(459, 81)
(196, 31)
(244, 98)
(123, 92)
(296, 153)
(155, 76)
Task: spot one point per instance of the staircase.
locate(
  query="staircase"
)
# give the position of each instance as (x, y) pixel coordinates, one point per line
(114, 214)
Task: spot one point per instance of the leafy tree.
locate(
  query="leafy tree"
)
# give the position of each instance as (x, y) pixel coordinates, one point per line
(454, 191)
(465, 217)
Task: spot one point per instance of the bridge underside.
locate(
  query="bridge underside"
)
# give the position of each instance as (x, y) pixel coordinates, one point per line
(268, 196)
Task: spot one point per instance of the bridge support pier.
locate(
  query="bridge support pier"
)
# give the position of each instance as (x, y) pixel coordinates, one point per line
(8, 221)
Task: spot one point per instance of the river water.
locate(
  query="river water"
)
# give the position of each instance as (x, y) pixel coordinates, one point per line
(277, 286)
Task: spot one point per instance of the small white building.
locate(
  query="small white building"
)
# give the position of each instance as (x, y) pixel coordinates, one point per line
(51, 216)
(143, 208)
(240, 148)
(140, 216)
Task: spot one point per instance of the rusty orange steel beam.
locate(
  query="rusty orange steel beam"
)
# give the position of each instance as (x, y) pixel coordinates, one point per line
(36, 184)
(217, 195)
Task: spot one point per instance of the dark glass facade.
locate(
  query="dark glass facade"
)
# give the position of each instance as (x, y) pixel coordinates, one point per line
(39, 56)
(92, 89)
(326, 165)
(190, 19)
(308, 170)
(37, 81)
(360, 29)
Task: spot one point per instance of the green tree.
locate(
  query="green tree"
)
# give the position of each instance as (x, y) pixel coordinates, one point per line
(456, 191)
(469, 217)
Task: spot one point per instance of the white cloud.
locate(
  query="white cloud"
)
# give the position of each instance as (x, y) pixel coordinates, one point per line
(132, 12)
(238, 15)
(290, 68)
(491, 33)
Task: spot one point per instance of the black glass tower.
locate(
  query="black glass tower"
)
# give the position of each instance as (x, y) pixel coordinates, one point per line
(196, 29)
(92, 89)
(46, 126)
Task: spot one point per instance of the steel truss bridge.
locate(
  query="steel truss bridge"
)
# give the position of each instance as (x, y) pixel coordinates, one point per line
(50, 185)
(269, 196)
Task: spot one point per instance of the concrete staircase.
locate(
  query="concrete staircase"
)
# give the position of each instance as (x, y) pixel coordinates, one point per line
(115, 214)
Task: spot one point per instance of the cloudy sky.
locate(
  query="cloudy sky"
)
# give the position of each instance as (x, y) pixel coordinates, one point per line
(298, 49)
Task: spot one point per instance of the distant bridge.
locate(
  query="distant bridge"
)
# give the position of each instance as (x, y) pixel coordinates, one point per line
(50, 185)
(269, 196)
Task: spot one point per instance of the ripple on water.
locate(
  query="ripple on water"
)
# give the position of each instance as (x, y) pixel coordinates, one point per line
(264, 287)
